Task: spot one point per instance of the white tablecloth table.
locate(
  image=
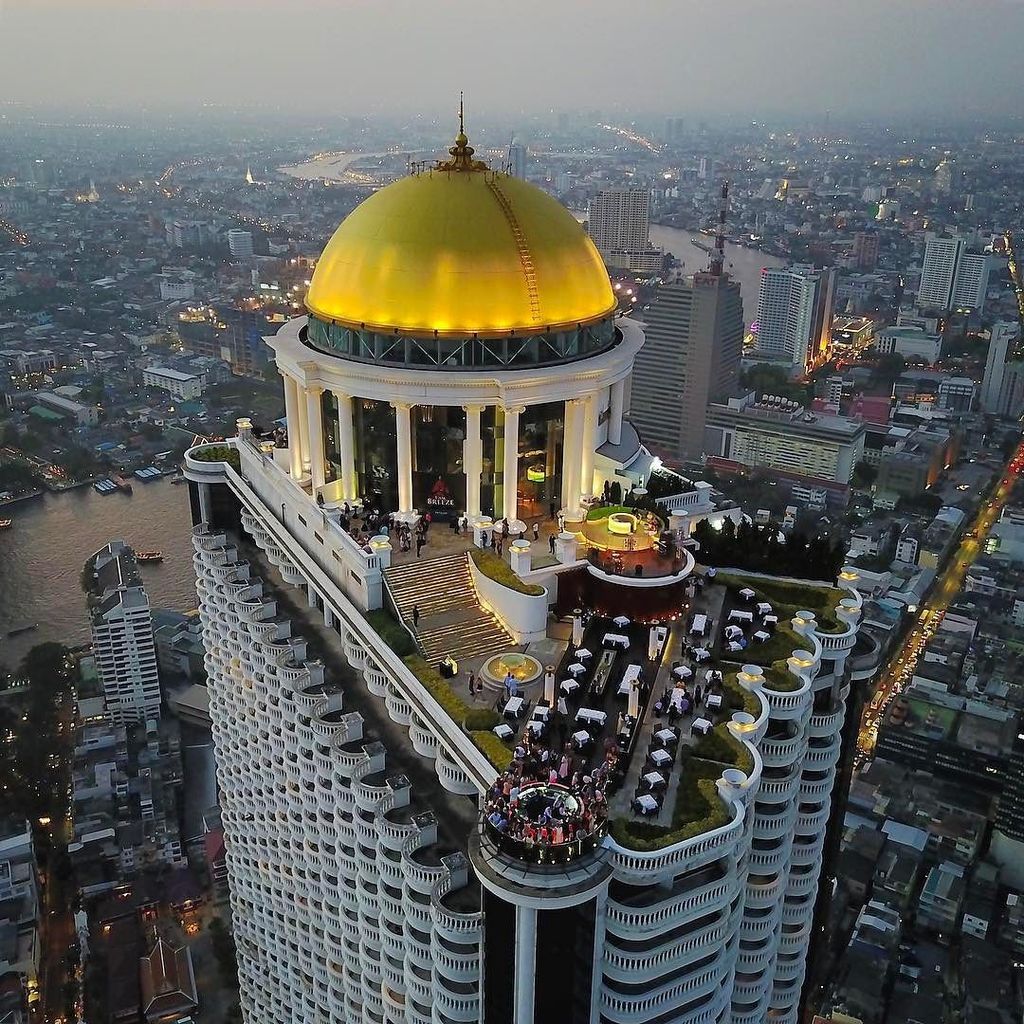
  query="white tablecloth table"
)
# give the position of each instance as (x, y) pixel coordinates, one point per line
(502, 731)
(621, 621)
(591, 715)
(713, 700)
(701, 725)
(568, 686)
(654, 779)
(647, 803)
(576, 669)
(665, 736)
(615, 640)
(581, 738)
(582, 653)
(536, 726)
(701, 654)
(661, 757)
(761, 636)
(514, 706)
(541, 713)
(682, 672)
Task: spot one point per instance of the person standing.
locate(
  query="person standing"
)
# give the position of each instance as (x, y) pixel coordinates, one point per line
(419, 544)
(416, 609)
(472, 685)
(551, 543)
(536, 531)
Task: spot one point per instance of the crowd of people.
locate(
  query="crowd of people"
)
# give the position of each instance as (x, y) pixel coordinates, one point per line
(548, 799)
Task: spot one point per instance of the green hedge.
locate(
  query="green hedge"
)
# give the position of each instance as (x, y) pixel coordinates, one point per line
(739, 699)
(217, 453)
(481, 719)
(391, 632)
(494, 749)
(476, 721)
(720, 745)
(778, 677)
(495, 568)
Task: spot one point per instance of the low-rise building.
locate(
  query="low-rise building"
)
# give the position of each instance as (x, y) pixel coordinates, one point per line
(179, 384)
(909, 342)
(66, 408)
(941, 898)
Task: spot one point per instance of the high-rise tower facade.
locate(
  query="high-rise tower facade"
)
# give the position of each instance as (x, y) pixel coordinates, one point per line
(594, 837)
(794, 314)
(691, 355)
(122, 635)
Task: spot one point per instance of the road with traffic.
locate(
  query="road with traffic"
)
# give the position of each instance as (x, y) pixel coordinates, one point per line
(900, 668)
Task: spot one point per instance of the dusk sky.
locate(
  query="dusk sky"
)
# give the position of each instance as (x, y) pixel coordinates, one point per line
(879, 58)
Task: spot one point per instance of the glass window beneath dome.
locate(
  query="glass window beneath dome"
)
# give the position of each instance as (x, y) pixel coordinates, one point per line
(541, 429)
(542, 349)
(438, 474)
(376, 446)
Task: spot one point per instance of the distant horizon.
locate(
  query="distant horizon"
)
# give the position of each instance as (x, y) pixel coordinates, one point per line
(887, 62)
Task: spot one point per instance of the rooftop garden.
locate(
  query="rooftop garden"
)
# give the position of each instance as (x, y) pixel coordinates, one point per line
(217, 453)
(495, 568)
(787, 598)
(477, 722)
(698, 809)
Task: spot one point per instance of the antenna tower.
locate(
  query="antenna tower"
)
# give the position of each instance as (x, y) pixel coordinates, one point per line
(718, 256)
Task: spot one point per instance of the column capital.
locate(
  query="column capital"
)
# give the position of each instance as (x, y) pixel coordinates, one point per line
(313, 390)
(402, 405)
(339, 393)
(474, 406)
(517, 409)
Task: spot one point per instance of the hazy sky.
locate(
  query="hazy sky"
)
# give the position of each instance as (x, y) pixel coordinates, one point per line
(865, 57)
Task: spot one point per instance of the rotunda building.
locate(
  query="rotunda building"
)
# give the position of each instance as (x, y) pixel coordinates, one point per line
(462, 351)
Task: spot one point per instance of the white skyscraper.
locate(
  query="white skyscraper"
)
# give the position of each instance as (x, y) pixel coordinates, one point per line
(952, 277)
(794, 314)
(618, 220)
(240, 243)
(517, 158)
(649, 866)
(1002, 389)
(122, 635)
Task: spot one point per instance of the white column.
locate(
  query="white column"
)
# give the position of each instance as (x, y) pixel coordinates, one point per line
(205, 511)
(346, 446)
(618, 402)
(316, 437)
(403, 435)
(293, 415)
(510, 476)
(473, 459)
(302, 421)
(589, 443)
(571, 454)
(526, 964)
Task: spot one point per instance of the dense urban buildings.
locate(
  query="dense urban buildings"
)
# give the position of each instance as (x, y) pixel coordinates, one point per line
(364, 884)
(954, 275)
(691, 356)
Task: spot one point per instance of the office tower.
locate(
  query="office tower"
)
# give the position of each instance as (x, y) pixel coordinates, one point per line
(952, 277)
(190, 234)
(706, 169)
(618, 220)
(795, 306)
(675, 130)
(240, 243)
(122, 635)
(517, 160)
(865, 249)
(944, 176)
(374, 871)
(1002, 387)
(692, 353)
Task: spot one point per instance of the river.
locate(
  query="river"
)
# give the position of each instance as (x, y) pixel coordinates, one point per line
(743, 264)
(42, 555)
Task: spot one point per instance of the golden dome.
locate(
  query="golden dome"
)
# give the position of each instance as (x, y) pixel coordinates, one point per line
(460, 250)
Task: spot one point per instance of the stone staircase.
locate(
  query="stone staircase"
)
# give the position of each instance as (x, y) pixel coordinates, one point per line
(451, 619)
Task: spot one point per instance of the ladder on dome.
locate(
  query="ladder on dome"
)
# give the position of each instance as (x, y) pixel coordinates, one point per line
(525, 259)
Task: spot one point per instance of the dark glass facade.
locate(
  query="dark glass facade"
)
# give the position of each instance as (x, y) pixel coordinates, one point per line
(376, 463)
(438, 472)
(540, 459)
(540, 349)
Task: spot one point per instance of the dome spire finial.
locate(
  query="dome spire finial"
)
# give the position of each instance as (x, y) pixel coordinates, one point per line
(462, 151)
